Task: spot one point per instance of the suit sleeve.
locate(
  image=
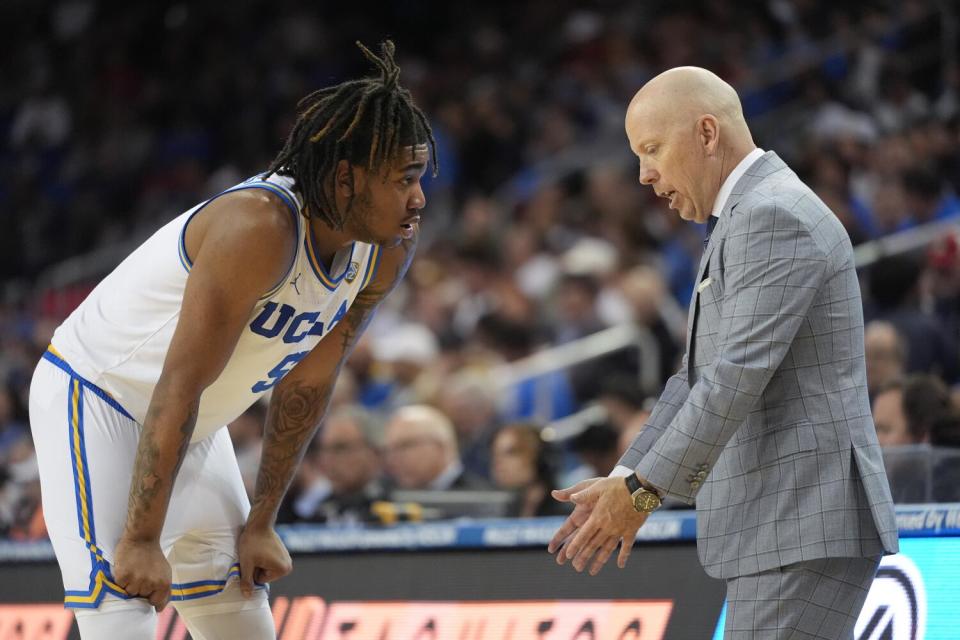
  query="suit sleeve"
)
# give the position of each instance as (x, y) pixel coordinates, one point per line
(772, 271)
(674, 395)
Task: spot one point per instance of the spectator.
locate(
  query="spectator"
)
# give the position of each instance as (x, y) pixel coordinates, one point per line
(308, 489)
(905, 411)
(886, 355)
(20, 491)
(888, 416)
(577, 316)
(422, 452)
(350, 449)
(469, 399)
(12, 421)
(895, 292)
(926, 400)
(890, 212)
(576, 300)
(373, 387)
(405, 351)
(524, 463)
(645, 290)
(900, 104)
(544, 397)
(926, 199)
(905, 414)
(943, 268)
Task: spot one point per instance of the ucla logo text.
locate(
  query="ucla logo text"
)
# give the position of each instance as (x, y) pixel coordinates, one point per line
(284, 320)
(295, 327)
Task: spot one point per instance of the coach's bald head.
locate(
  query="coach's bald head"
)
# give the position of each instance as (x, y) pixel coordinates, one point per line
(687, 128)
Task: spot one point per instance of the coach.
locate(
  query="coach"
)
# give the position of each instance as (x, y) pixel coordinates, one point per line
(767, 424)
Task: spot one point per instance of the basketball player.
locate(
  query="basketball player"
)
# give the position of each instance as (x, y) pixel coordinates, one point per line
(265, 287)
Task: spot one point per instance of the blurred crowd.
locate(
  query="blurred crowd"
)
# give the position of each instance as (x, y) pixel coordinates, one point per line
(536, 232)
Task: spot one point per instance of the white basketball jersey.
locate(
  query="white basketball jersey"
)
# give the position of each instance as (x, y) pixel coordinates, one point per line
(119, 336)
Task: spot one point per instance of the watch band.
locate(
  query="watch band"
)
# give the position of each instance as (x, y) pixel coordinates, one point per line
(633, 483)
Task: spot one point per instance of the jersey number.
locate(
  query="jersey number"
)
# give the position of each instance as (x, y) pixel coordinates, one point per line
(276, 374)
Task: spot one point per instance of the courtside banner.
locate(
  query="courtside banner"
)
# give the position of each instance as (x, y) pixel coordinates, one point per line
(545, 619)
(479, 580)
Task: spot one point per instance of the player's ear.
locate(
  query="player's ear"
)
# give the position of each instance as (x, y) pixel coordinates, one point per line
(343, 179)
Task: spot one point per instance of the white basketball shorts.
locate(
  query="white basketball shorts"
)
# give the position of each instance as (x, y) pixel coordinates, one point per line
(86, 446)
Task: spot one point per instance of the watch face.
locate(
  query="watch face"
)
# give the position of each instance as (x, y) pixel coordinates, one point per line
(645, 501)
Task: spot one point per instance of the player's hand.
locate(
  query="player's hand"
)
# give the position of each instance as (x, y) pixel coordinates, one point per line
(611, 521)
(263, 558)
(142, 570)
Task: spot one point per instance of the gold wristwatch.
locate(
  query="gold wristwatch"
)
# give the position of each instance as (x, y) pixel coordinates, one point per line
(644, 500)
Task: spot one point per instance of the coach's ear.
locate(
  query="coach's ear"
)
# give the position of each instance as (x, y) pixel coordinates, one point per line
(708, 133)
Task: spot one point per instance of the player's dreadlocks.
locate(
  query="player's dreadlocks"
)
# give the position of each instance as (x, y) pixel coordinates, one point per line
(364, 121)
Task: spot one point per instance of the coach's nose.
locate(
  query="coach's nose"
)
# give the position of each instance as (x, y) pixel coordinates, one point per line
(648, 175)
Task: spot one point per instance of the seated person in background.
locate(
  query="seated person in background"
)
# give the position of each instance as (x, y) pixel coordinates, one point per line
(904, 413)
(523, 462)
(895, 285)
(886, 354)
(406, 352)
(308, 488)
(350, 456)
(469, 398)
(888, 415)
(926, 400)
(422, 453)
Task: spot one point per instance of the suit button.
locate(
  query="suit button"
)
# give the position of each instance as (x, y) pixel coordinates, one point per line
(694, 484)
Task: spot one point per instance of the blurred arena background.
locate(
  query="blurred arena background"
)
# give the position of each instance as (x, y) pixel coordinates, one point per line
(546, 306)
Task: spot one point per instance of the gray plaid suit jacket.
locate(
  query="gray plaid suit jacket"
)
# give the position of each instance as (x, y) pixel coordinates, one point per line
(768, 423)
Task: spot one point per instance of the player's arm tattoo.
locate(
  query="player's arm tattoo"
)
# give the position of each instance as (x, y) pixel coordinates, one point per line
(160, 453)
(297, 407)
(295, 411)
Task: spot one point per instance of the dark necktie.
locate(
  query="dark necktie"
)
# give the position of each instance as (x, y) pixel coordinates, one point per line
(711, 223)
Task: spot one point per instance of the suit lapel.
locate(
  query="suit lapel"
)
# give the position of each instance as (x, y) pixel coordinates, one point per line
(765, 165)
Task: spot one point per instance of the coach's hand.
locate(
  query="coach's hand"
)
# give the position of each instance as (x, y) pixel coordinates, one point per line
(581, 512)
(263, 558)
(607, 519)
(143, 571)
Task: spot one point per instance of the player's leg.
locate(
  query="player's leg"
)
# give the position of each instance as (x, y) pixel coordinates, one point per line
(208, 509)
(229, 615)
(85, 451)
(133, 619)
